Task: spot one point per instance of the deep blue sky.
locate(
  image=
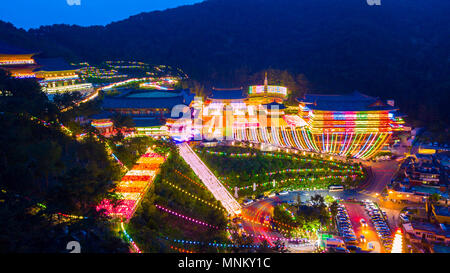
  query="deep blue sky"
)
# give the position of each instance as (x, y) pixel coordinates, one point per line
(34, 13)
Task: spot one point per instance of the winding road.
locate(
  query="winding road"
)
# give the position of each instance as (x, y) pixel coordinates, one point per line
(253, 215)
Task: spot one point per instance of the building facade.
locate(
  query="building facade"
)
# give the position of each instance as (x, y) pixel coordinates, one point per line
(18, 62)
(354, 125)
(57, 76)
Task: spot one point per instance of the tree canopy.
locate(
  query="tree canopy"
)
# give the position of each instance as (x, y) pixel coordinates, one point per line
(46, 173)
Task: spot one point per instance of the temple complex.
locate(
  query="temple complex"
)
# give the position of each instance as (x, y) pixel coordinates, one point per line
(57, 76)
(18, 62)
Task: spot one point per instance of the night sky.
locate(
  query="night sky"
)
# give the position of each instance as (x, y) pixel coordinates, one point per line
(34, 13)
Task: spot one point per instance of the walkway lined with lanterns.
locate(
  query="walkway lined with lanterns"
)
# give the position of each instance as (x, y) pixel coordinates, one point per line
(219, 192)
(134, 185)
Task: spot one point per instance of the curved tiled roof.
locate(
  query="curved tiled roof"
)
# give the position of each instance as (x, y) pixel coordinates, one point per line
(148, 122)
(227, 94)
(350, 102)
(177, 97)
(142, 103)
(54, 64)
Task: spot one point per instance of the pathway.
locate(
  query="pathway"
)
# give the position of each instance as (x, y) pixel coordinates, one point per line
(210, 180)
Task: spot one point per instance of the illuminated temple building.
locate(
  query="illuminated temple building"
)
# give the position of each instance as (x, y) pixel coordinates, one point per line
(54, 74)
(353, 125)
(18, 62)
(236, 114)
(57, 76)
(151, 110)
(267, 93)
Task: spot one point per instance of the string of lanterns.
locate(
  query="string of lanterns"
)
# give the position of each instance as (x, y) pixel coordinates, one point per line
(212, 244)
(193, 196)
(296, 171)
(288, 211)
(276, 155)
(309, 179)
(129, 239)
(196, 221)
(273, 238)
(185, 217)
(266, 225)
(190, 180)
(181, 250)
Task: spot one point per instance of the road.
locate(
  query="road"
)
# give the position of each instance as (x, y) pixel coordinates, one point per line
(252, 223)
(254, 226)
(356, 212)
(382, 176)
(254, 213)
(382, 173)
(90, 97)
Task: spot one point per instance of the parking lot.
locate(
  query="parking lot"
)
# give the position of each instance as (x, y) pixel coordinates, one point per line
(345, 228)
(363, 226)
(380, 223)
(364, 231)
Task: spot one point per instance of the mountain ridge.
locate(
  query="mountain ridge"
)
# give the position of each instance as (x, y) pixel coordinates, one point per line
(397, 50)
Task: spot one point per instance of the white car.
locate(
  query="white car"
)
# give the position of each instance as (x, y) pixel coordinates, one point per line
(404, 218)
(248, 202)
(284, 193)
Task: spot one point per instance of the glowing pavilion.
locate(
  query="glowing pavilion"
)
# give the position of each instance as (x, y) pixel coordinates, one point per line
(56, 76)
(18, 62)
(353, 125)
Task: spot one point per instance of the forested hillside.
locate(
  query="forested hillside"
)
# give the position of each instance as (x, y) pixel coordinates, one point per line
(398, 50)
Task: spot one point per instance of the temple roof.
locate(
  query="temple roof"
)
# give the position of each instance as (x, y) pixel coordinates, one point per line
(127, 101)
(148, 122)
(227, 94)
(13, 50)
(54, 64)
(102, 115)
(350, 102)
(141, 103)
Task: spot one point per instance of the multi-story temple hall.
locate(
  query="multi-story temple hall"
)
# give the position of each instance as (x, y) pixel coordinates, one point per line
(17, 61)
(356, 124)
(353, 125)
(55, 75)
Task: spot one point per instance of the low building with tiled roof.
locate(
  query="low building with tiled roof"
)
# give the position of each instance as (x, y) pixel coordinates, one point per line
(19, 62)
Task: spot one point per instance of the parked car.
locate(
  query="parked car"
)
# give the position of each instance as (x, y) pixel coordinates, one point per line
(404, 218)
(341, 250)
(353, 248)
(363, 223)
(362, 239)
